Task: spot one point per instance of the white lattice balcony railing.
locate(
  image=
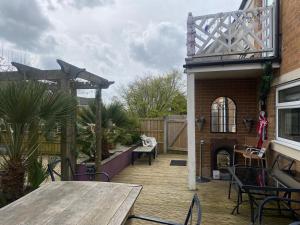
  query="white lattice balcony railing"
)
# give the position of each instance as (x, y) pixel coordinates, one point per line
(235, 35)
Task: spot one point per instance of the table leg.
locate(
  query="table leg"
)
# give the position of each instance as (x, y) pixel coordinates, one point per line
(132, 158)
(150, 157)
(251, 200)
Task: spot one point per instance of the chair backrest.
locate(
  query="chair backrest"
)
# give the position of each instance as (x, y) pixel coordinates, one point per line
(51, 167)
(88, 175)
(262, 153)
(52, 170)
(194, 207)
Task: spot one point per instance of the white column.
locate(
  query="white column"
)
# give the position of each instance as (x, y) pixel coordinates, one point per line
(191, 131)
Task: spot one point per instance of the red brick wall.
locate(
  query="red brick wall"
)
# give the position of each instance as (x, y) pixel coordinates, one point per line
(243, 92)
(290, 54)
(290, 30)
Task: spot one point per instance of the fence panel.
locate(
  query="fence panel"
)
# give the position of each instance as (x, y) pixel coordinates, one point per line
(154, 127)
(176, 131)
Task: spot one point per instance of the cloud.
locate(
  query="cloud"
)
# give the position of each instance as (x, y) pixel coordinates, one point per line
(78, 4)
(160, 46)
(23, 23)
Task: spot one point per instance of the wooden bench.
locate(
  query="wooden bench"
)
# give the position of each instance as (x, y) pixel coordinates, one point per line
(150, 151)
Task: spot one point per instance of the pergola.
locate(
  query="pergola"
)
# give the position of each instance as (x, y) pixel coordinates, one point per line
(68, 79)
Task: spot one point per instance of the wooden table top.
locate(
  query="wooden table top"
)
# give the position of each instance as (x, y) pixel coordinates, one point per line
(73, 203)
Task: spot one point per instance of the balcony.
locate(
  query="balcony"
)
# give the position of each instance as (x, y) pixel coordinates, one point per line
(238, 36)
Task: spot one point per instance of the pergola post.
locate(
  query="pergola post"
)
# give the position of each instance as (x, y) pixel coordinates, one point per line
(98, 156)
(66, 136)
(72, 128)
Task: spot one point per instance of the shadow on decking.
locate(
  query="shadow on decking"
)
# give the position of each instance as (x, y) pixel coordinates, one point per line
(165, 194)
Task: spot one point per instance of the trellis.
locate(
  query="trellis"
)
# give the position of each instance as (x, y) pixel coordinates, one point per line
(68, 79)
(246, 33)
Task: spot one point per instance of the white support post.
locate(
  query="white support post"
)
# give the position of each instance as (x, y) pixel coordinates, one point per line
(191, 131)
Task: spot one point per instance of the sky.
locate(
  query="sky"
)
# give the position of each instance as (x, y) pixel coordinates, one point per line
(116, 39)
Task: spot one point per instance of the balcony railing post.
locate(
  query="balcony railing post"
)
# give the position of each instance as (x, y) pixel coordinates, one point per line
(191, 36)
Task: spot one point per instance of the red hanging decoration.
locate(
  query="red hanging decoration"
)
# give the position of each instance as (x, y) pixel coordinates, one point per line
(261, 129)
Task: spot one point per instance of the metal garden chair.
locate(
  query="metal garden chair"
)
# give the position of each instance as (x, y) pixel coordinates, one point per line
(195, 204)
(75, 176)
(288, 207)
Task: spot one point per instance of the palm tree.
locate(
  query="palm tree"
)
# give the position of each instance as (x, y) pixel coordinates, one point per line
(116, 124)
(27, 110)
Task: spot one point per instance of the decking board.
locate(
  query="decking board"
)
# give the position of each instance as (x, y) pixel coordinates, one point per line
(165, 194)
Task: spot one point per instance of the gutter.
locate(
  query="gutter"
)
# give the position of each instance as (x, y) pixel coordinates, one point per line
(231, 62)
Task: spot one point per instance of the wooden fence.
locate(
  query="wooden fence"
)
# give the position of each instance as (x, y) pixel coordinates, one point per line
(170, 132)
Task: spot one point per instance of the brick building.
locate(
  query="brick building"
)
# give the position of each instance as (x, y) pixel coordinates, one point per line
(226, 57)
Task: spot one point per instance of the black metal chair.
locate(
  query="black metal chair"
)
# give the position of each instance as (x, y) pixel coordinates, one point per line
(288, 207)
(189, 218)
(75, 176)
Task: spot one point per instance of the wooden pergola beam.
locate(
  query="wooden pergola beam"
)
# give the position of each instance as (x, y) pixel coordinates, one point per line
(76, 72)
(85, 85)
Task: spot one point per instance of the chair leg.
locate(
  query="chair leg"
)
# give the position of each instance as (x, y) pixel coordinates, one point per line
(229, 189)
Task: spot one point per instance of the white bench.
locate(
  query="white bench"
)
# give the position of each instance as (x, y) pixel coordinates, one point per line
(149, 148)
(149, 151)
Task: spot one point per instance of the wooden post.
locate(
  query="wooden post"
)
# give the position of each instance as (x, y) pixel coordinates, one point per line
(98, 156)
(72, 130)
(166, 134)
(65, 138)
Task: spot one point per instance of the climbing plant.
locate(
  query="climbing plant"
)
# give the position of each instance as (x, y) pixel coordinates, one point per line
(265, 84)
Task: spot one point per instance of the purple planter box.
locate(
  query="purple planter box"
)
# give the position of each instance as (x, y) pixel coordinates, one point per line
(112, 165)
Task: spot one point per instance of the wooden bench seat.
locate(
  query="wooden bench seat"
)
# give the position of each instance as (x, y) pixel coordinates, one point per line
(150, 151)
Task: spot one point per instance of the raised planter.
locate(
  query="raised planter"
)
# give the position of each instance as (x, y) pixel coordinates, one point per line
(112, 165)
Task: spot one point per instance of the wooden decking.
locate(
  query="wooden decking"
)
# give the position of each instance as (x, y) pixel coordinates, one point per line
(165, 194)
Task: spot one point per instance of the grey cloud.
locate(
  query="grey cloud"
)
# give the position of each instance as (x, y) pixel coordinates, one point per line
(161, 46)
(22, 23)
(90, 3)
(78, 4)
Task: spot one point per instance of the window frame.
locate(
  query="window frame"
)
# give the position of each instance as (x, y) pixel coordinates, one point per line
(287, 105)
(235, 119)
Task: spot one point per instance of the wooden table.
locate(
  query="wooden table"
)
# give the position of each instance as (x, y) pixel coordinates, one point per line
(149, 150)
(73, 203)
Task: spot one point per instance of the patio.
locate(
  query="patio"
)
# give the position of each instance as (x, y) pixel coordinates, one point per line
(165, 194)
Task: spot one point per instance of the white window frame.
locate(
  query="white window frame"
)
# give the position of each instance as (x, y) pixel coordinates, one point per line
(287, 105)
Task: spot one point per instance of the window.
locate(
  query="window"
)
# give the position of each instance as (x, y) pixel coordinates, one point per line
(223, 115)
(288, 113)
